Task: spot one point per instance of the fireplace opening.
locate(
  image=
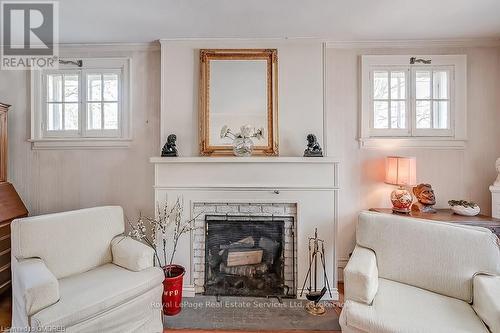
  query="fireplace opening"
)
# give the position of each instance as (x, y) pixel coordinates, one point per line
(245, 256)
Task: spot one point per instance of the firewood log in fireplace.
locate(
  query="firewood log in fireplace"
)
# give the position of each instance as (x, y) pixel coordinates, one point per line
(239, 257)
(247, 242)
(244, 270)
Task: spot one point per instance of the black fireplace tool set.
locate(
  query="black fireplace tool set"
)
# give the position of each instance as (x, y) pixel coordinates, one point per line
(316, 252)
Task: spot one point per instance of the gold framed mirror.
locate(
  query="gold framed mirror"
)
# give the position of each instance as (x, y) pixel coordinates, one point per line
(238, 87)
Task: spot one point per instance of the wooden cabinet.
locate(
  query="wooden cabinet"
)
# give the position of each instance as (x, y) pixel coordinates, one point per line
(447, 215)
(11, 205)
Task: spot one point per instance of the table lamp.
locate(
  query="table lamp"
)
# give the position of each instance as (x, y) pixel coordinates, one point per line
(401, 171)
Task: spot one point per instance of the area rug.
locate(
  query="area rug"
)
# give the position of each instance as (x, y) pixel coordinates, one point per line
(253, 314)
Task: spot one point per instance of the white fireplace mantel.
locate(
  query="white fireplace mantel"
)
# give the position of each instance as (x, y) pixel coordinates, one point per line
(244, 172)
(309, 183)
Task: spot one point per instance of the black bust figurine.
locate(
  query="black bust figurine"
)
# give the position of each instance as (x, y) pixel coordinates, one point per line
(313, 148)
(170, 148)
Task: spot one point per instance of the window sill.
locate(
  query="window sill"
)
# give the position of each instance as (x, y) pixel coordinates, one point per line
(414, 142)
(79, 143)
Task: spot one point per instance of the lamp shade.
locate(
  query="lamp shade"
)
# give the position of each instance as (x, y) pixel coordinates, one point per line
(400, 170)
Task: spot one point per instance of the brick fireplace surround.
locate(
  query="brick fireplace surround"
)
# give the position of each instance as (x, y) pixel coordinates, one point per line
(242, 209)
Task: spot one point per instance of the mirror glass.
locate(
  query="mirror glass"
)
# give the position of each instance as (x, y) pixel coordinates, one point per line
(238, 97)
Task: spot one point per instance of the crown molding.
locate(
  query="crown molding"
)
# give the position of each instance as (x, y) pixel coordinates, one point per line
(329, 44)
(116, 47)
(242, 39)
(417, 43)
(421, 43)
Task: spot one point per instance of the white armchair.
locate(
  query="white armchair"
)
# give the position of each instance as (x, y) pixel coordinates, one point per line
(75, 271)
(408, 275)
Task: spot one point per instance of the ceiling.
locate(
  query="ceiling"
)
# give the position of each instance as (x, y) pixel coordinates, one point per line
(131, 21)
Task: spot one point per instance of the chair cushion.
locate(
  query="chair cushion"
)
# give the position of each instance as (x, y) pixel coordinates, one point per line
(409, 249)
(399, 307)
(131, 254)
(487, 300)
(70, 242)
(94, 292)
(361, 276)
(36, 284)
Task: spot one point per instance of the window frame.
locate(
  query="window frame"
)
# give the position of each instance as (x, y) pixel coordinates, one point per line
(45, 102)
(455, 136)
(102, 132)
(435, 132)
(83, 137)
(383, 132)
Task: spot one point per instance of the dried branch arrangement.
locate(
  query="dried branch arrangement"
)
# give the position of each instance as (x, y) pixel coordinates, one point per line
(167, 225)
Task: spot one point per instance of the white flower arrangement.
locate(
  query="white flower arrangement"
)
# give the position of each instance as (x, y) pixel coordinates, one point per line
(167, 224)
(246, 132)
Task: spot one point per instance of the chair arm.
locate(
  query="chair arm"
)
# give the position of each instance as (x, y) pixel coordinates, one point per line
(486, 300)
(131, 254)
(36, 284)
(361, 276)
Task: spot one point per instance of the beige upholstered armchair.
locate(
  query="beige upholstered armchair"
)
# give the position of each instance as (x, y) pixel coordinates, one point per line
(76, 272)
(408, 275)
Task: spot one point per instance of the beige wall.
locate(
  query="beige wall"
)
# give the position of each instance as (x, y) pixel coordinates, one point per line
(454, 174)
(58, 180)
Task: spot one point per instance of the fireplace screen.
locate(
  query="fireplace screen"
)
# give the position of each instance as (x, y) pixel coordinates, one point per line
(244, 256)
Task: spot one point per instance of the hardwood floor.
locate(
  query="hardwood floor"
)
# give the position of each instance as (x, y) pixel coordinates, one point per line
(6, 313)
(5, 310)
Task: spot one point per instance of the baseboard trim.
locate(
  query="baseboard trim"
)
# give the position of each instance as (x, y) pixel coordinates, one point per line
(188, 291)
(341, 263)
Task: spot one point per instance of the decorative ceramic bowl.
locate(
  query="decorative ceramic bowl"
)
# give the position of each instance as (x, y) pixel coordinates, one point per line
(466, 211)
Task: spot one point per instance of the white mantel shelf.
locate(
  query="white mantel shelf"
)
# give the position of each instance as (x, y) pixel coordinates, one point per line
(246, 172)
(263, 159)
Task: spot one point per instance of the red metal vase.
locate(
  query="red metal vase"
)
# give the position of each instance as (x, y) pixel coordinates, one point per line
(172, 289)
